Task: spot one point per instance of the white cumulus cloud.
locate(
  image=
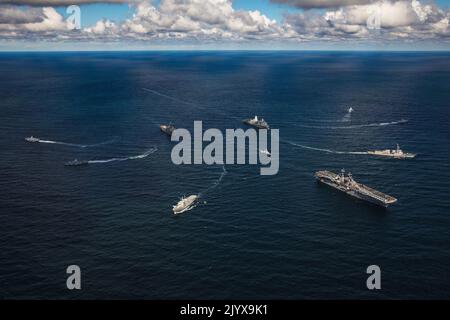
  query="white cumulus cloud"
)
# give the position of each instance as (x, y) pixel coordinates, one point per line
(205, 21)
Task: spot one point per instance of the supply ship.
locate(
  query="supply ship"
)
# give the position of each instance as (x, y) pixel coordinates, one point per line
(351, 187)
(185, 204)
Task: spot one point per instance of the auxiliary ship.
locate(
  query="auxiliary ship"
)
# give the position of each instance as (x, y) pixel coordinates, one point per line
(185, 204)
(352, 188)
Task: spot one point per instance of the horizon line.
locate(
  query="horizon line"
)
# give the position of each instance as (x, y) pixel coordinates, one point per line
(224, 50)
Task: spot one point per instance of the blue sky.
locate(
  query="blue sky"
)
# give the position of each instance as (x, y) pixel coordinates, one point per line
(227, 24)
(119, 12)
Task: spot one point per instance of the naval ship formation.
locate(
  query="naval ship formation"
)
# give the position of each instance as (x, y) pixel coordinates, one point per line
(339, 182)
(188, 203)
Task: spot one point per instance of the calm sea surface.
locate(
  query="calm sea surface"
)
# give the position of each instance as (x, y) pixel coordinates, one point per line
(256, 237)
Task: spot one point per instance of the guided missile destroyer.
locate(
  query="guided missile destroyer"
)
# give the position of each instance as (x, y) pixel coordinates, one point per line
(257, 123)
(397, 153)
(351, 187)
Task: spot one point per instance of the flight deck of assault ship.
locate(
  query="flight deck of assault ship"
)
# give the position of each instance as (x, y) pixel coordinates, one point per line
(351, 187)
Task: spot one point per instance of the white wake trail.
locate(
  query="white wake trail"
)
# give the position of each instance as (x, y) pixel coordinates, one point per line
(215, 184)
(140, 156)
(169, 97)
(324, 150)
(380, 124)
(72, 144)
(347, 117)
(197, 105)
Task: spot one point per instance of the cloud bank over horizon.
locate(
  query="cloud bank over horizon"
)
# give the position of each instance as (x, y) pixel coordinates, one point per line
(313, 4)
(218, 21)
(57, 3)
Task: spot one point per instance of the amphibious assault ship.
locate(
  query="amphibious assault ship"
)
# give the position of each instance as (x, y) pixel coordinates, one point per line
(351, 187)
(257, 123)
(397, 153)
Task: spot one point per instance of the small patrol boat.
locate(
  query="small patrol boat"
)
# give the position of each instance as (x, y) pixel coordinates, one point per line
(167, 129)
(32, 139)
(76, 162)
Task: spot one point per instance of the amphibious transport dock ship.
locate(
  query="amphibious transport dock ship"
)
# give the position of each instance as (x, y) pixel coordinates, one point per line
(351, 187)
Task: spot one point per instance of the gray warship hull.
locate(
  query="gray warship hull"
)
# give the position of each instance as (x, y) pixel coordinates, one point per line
(354, 189)
(256, 125)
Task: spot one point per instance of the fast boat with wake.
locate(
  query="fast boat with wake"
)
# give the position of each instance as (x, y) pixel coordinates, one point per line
(76, 162)
(32, 139)
(167, 129)
(397, 153)
(352, 188)
(185, 204)
(257, 123)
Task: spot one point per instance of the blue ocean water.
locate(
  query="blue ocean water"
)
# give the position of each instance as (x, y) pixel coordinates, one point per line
(256, 237)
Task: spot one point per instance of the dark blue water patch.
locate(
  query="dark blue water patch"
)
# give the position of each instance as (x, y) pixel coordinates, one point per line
(251, 236)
